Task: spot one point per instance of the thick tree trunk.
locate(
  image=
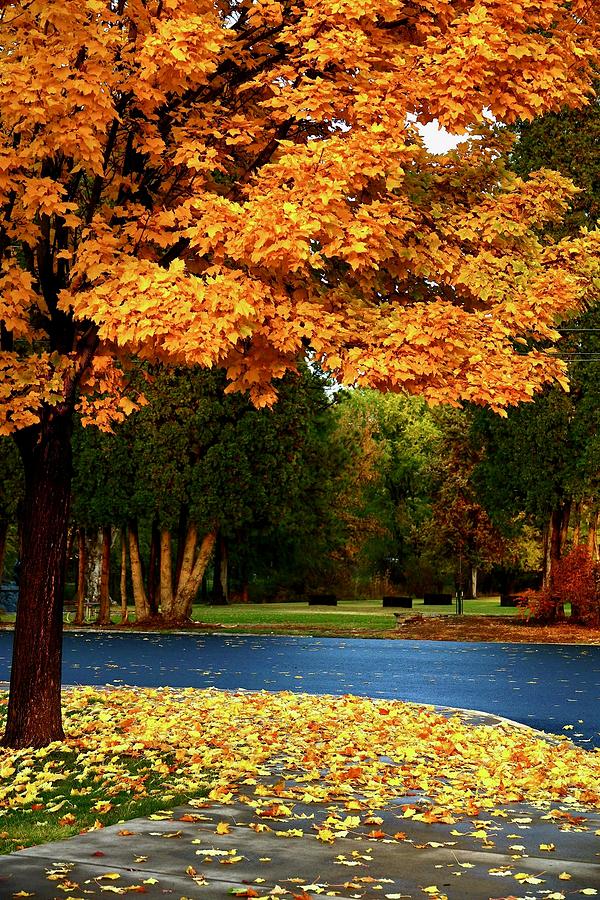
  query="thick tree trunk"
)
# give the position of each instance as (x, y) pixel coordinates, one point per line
(154, 569)
(123, 577)
(34, 710)
(142, 608)
(81, 568)
(104, 610)
(186, 591)
(166, 575)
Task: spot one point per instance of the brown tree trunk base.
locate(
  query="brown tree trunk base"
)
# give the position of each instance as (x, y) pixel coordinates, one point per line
(34, 705)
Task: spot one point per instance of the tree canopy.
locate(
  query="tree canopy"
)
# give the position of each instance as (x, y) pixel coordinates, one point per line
(235, 182)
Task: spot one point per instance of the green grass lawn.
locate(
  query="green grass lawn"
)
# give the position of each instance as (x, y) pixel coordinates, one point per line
(359, 614)
(367, 615)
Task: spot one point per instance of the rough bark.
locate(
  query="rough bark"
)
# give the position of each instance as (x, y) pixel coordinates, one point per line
(142, 608)
(123, 577)
(104, 609)
(34, 706)
(166, 575)
(81, 568)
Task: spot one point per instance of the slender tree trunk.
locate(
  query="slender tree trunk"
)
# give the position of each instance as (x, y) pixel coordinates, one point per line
(474, 573)
(187, 555)
(154, 569)
(166, 575)
(557, 520)
(564, 525)
(142, 608)
(546, 557)
(3, 534)
(182, 529)
(186, 591)
(93, 571)
(34, 710)
(577, 524)
(219, 589)
(123, 581)
(593, 533)
(104, 610)
(81, 570)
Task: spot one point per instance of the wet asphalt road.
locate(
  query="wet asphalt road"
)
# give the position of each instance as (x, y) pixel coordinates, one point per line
(543, 685)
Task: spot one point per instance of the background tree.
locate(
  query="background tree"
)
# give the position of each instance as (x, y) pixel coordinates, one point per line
(196, 466)
(387, 499)
(460, 529)
(545, 458)
(230, 183)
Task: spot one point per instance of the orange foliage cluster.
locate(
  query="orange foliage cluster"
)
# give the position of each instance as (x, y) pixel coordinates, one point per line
(237, 184)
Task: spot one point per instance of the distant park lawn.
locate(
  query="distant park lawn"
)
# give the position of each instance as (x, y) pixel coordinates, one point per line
(355, 614)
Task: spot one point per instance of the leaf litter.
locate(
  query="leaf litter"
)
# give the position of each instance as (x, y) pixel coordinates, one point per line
(354, 755)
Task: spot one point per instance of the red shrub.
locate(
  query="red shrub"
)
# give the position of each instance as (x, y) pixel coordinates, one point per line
(539, 605)
(576, 580)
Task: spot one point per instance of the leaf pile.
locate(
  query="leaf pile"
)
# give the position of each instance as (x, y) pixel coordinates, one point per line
(357, 752)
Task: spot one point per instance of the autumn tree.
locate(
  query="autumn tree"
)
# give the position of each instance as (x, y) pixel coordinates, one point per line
(234, 182)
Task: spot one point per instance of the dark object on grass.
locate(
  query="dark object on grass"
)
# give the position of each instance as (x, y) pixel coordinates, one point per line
(509, 599)
(322, 600)
(437, 599)
(403, 602)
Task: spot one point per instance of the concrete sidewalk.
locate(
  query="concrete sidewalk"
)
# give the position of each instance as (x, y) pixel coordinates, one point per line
(182, 856)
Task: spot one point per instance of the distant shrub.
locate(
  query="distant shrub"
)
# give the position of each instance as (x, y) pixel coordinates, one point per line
(538, 605)
(575, 580)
